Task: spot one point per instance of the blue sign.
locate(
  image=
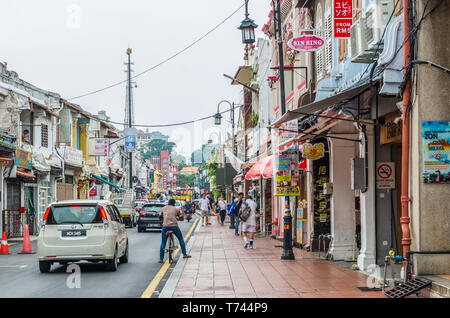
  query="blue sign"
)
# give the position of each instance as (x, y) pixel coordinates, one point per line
(130, 139)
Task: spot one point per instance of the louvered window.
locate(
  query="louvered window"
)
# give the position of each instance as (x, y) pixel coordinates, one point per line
(319, 53)
(329, 41)
(44, 136)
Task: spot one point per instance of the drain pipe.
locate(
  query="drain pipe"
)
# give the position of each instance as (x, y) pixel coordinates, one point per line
(405, 219)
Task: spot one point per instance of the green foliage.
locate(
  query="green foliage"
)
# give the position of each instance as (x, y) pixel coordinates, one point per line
(154, 148)
(186, 179)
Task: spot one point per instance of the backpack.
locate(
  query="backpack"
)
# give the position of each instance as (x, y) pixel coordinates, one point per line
(245, 212)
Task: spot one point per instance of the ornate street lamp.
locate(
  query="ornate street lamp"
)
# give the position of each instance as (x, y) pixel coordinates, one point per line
(247, 27)
(218, 118)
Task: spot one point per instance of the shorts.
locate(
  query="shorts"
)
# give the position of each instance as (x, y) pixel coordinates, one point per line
(248, 228)
(204, 213)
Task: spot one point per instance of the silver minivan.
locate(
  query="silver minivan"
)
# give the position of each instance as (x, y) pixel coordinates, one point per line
(89, 230)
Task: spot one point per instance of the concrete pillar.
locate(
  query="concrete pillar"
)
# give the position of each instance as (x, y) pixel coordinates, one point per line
(343, 197)
(367, 255)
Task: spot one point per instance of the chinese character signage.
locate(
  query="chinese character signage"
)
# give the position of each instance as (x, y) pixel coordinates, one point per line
(130, 139)
(342, 15)
(313, 152)
(436, 151)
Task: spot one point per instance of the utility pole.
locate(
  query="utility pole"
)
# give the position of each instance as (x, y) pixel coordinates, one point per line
(288, 254)
(130, 160)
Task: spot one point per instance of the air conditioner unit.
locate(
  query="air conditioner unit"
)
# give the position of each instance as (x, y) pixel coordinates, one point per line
(375, 21)
(358, 44)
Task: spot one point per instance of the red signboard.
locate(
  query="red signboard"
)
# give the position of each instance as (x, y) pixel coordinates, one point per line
(342, 9)
(342, 14)
(342, 28)
(93, 191)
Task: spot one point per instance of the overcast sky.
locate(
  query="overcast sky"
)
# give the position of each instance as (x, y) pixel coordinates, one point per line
(48, 46)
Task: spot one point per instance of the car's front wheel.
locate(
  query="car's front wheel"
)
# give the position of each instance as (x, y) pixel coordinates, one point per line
(45, 266)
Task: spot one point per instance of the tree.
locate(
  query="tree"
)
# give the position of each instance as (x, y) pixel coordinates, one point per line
(186, 179)
(154, 148)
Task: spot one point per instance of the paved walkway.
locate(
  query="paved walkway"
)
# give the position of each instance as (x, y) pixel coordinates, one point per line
(220, 267)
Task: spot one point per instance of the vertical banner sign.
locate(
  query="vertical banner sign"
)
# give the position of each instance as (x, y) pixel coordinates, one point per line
(436, 151)
(130, 139)
(342, 15)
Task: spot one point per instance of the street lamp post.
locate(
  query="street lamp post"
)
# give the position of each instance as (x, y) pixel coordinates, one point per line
(247, 27)
(288, 253)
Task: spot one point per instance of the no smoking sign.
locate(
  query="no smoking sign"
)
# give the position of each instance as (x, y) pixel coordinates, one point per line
(385, 175)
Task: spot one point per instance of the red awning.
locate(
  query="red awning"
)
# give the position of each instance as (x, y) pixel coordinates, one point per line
(25, 174)
(263, 167)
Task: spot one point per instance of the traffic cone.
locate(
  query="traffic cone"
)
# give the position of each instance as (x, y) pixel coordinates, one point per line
(4, 249)
(26, 249)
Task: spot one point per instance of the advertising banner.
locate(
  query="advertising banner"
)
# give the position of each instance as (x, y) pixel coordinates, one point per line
(130, 139)
(288, 159)
(100, 147)
(436, 151)
(284, 187)
(342, 16)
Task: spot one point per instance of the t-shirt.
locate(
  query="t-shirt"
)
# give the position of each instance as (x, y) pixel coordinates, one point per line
(252, 218)
(237, 207)
(204, 204)
(170, 215)
(222, 205)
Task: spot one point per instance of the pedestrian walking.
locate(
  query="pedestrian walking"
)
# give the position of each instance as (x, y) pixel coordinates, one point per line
(249, 222)
(210, 206)
(204, 206)
(222, 204)
(170, 216)
(236, 210)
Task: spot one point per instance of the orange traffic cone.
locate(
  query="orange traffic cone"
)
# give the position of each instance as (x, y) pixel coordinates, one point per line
(4, 249)
(26, 249)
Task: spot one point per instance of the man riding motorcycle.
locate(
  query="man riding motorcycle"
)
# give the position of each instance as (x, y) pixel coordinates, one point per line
(189, 209)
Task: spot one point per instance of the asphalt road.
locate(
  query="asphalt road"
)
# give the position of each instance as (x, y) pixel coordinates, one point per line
(20, 276)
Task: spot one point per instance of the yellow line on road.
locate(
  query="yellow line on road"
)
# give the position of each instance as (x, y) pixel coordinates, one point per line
(155, 282)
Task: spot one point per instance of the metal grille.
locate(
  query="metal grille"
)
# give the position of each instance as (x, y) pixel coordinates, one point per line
(13, 223)
(408, 288)
(44, 136)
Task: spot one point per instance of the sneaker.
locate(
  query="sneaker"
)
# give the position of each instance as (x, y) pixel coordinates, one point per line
(251, 245)
(245, 245)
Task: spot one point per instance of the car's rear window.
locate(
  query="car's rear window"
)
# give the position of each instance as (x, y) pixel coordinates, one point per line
(83, 214)
(152, 208)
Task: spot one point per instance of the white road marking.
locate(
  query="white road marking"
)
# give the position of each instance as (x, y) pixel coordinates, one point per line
(13, 266)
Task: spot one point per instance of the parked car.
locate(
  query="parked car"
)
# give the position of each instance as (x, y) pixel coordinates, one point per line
(89, 230)
(149, 217)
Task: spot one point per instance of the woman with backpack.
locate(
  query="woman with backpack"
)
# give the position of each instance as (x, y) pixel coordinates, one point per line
(248, 217)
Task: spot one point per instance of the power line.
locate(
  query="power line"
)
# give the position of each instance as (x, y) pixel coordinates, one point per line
(164, 125)
(164, 61)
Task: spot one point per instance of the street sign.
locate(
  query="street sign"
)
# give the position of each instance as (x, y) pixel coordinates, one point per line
(130, 139)
(385, 175)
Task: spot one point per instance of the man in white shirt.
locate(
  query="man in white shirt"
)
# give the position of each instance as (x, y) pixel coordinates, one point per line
(204, 207)
(222, 209)
(249, 226)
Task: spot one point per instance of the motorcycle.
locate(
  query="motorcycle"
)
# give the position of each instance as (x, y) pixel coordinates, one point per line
(189, 213)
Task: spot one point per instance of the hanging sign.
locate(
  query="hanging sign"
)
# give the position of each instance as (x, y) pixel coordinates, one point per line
(308, 43)
(436, 151)
(100, 147)
(288, 159)
(313, 152)
(342, 14)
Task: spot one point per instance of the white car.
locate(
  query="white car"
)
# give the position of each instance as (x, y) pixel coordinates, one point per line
(90, 230)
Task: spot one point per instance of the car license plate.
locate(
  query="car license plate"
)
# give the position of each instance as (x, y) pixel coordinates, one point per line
(74, 233)
(152, 225)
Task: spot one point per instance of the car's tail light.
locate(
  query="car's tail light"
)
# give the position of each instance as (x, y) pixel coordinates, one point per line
(104, 217)
(44, 220)
(142, 213)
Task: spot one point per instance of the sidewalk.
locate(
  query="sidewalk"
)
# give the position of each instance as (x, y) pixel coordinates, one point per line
(220, 267)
